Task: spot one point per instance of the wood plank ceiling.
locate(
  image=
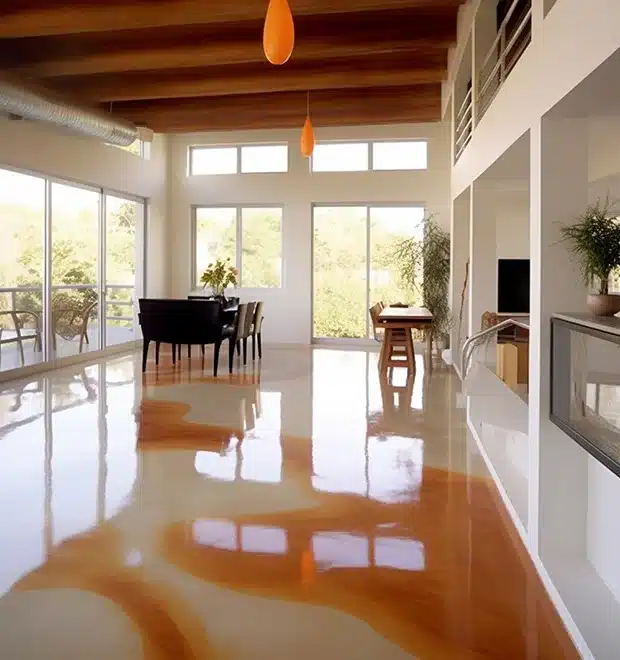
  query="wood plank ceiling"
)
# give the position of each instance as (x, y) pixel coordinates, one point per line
(191, 65)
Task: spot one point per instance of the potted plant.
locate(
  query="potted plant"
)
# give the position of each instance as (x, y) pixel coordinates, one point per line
(425, 265)
(218, 275)
(595, 241)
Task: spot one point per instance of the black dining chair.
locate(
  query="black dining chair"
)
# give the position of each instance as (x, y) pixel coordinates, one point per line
(239, 331)
(246, 331)
(257, 330)
(232, 331)
(179, 322)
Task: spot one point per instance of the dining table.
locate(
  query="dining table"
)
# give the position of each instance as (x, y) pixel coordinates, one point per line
(405, 318)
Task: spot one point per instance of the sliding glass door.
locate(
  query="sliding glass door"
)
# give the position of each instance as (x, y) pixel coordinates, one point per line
(340, 271)
(75, 262)
(22, 218)
(71, 269)
(355, 266)
(124, 247)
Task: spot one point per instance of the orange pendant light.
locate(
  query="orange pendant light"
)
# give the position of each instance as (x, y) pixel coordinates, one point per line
(307, 134)
(279, 32)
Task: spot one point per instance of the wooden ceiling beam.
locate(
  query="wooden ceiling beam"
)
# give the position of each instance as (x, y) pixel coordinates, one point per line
(355, 35)
(55, 17)
(229, 53)
(418, 103)
(256, 79)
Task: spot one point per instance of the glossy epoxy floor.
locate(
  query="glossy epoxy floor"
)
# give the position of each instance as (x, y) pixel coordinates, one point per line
(302, 509)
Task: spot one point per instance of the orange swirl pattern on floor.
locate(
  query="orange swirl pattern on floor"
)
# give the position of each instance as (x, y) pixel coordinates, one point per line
(438, 571)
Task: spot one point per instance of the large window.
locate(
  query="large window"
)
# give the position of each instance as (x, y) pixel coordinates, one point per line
(250, 237)
(79, 293)
(364, 156)
(354, 267)
(246, 159)
(22, 218)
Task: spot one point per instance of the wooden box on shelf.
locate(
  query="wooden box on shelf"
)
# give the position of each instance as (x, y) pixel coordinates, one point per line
(513, 363)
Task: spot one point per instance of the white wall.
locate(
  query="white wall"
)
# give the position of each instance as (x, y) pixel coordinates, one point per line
(513, 225)
(40, 149)
(288, 309)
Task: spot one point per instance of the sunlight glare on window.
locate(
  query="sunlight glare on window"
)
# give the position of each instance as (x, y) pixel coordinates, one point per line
(264, 158)
(407, 155)
(341, 157)
(213, 160)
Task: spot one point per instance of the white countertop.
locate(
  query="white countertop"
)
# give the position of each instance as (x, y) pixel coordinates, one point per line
(609, 324)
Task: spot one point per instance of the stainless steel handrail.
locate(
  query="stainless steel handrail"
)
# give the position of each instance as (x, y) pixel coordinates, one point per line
(466, 351)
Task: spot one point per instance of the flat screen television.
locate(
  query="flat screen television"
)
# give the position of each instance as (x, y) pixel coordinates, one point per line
(513, 286)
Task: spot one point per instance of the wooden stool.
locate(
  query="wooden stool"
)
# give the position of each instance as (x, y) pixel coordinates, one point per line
(397, 343)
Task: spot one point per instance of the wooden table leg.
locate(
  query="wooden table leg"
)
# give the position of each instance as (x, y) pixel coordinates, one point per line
(429, 348)
(409, 351)
(385, 347)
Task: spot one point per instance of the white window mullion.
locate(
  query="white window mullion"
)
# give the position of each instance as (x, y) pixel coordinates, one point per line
(367, 270)
(47, 275)
(239, 244)
(101, 270)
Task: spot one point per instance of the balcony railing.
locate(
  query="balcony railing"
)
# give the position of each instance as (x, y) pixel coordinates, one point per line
(513, 37)
(14, 292)
(464, 125)
(76, 317)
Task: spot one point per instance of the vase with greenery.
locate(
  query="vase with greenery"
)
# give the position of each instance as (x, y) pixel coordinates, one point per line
(594, 240)
(424, 266)
(219, 275)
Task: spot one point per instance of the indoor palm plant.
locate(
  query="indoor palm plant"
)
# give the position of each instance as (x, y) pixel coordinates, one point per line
(425, 266)
(218, 275)
(595, 240)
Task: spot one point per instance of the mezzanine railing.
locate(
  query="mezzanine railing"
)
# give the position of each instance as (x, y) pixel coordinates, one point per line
(464, 123)
(513, 37)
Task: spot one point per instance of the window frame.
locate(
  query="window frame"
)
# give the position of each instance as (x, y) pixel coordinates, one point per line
(370, 155)
(195, 283)
(239, 160)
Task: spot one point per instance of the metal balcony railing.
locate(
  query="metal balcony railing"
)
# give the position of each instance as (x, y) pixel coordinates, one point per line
(513, 37)
(13, 293)
(464, 125)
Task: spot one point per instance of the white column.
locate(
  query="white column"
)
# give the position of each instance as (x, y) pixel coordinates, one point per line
(459, 254)
(558, 466)
(482, 256)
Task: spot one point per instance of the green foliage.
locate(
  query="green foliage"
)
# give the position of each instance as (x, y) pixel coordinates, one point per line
(340, 266)
(425, 267)
(595, 241)
(219, 275)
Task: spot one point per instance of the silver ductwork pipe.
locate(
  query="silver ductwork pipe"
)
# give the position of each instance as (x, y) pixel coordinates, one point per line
(38, 105)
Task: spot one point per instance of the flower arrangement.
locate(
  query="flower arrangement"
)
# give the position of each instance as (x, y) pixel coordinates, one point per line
(219, 275)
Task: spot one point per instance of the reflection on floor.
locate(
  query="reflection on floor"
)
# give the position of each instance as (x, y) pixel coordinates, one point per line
(300, 509)
(11, 358)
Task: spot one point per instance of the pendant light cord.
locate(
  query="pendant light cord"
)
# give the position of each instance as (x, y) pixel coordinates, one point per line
(308, 104)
